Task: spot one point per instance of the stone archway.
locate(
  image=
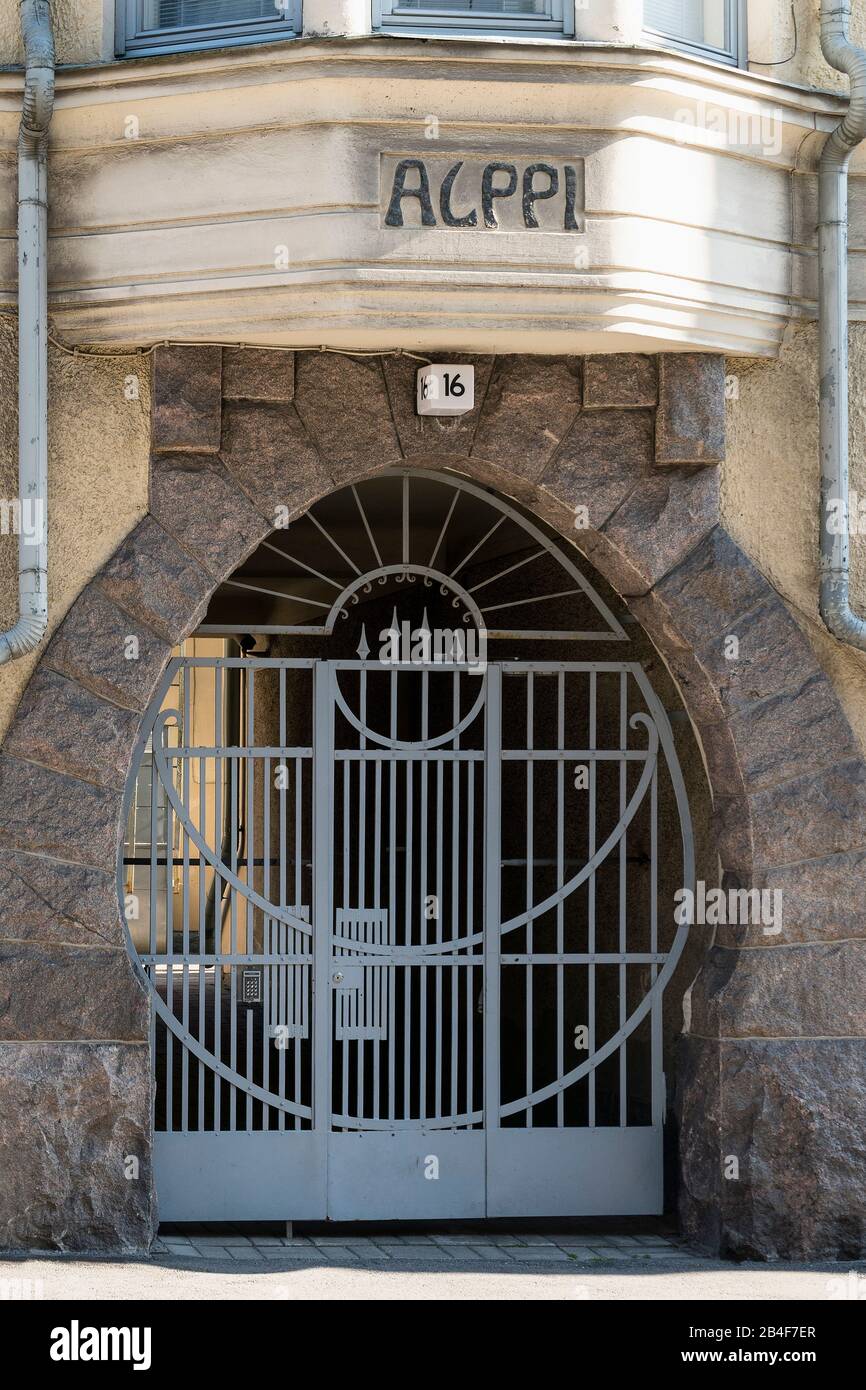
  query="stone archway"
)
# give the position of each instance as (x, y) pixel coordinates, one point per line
(773, 1060)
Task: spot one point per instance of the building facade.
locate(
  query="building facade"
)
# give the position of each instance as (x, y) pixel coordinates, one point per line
(433, 816)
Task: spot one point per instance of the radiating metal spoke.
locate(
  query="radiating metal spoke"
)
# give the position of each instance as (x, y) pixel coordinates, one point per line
(276, 593)
(474, 551)
(370, 537)
(522, 602)
(330, 539)
(494, 578)
(293, 559)
(455, 499)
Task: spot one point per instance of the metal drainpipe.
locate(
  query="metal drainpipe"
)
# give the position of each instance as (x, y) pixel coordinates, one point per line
(833, 325)
(36, 113)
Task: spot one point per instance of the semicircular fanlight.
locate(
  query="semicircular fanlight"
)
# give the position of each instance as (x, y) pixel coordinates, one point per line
(468, 553)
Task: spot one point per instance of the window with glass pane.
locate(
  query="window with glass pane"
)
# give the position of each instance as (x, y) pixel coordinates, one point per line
(169, 14)
(527, 16)
(520, 7)
(709, 24)
(154, 26)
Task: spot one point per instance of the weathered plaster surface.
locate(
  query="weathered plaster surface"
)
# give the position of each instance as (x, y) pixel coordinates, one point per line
(769, 495)
(98, 443)
(79, 30)
(171, 204)
(83, 29)
(774, 52)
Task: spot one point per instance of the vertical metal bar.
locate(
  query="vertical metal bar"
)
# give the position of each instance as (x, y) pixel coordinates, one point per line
(593, 735)
(283, 937)
(129, 878)
(623, 936)
(322, 898)
(341, 1005)
(455, 890)
(377, 900)
(186, 800)
(492, 891)
(656, 1055)
(360, 1050)
(407, 969)
(560, 878)
(440, 811)
(343, 1002)
(202, 912)
(283, 982)
(154, 854)
(219, 777)
(392, 902)
(469, 973)
(249, 1068)
(299, 831)
(169, 951)
(249, 810)
(271, 933)
(530, 881)
(153, 905)
(233, 973)
(346, 896)
(283, 741)
(301, 978)
(424, 929)
(362, 796)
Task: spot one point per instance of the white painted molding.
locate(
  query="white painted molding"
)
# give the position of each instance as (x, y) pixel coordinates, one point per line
(109, 19)
(337, 18)
(608, 21)
(692, 238)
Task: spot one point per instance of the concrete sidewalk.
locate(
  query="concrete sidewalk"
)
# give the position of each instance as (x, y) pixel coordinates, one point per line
(328, 1273)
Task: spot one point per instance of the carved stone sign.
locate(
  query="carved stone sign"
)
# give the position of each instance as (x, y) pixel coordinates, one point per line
(463, 192)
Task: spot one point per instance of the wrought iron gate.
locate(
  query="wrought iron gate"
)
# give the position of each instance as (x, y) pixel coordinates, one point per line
(399, 923)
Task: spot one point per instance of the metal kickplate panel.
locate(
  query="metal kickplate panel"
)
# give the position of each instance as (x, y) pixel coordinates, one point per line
(287, 992)
(361, 992)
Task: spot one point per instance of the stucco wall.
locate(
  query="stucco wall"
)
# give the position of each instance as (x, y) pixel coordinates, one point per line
(776, 51)
(84, 34)
(98, 444)
(82, 30)
(770, 490)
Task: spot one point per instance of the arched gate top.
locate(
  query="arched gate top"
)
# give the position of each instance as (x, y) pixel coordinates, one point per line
(408, 526)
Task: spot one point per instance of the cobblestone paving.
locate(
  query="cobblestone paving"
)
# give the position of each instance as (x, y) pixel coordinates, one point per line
(525, 1248)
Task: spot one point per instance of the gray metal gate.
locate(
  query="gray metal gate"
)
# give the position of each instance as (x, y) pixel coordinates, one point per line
(400, 962)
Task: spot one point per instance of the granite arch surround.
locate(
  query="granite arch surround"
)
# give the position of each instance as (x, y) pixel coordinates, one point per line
(772, 1065)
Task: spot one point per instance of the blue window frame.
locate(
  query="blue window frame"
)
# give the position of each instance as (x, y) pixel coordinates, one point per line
(474, 16)
(171, 26)
(711, 28)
